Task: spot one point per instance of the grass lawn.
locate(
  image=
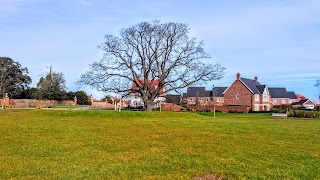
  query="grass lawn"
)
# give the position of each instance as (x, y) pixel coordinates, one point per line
(53, 144)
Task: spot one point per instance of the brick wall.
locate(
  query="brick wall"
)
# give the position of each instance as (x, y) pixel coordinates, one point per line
(245, 96)
(101, 104)
(35, 103)
(171, 107)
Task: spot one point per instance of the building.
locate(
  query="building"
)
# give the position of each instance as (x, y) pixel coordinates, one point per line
(280, 96)
(242, 95)
(199, 95)
(247, 93)
(304, 104)
(136, 100)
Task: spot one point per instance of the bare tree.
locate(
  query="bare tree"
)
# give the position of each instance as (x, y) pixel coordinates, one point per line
(148, 53)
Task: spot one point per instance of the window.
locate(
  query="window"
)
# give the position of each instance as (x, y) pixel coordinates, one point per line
(257, 97)
(218, 99)
(207, 99)
(265, 98)
(274, 100)
(237, 96)
(256, 107)
(191, 99)
(283, 101)
(290, 101)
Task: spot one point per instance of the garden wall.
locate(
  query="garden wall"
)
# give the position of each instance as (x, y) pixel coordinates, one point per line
(20, 103)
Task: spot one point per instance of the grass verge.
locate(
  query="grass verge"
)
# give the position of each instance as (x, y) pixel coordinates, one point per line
(53, 144)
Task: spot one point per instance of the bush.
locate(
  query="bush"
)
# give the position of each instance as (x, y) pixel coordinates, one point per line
(281, 108)
(303, 114)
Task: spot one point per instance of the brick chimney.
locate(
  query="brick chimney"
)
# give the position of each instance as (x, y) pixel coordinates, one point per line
(238, 76)
(256, 78)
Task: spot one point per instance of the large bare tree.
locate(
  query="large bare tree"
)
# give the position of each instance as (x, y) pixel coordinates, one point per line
(147, 53)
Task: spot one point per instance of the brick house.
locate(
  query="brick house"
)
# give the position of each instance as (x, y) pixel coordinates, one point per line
(247, 93)
(218, 96)
(280, 96)
(304, 104)
(136, 100)
(242, 95)
(199, 95)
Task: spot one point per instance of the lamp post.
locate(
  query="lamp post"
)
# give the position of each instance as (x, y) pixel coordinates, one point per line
(214, 101)
(214, 104)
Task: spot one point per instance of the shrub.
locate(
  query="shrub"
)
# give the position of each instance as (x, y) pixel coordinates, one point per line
(303, 114)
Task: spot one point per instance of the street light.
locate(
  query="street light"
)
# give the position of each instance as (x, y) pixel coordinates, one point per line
(214, 101)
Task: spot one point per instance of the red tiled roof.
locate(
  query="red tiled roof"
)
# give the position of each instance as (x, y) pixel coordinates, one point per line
(154, 84)
(300, 97)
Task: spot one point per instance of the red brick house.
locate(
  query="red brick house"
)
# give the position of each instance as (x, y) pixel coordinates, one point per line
(304, 104)
(136, 100)
(280, 96)
(198, 95)
(247, 93)
(243, 95)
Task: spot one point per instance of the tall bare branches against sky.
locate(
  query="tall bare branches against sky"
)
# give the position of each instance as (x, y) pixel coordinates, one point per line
(278, 41)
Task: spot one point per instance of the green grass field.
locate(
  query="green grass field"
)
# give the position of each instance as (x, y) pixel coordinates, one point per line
(53, 144)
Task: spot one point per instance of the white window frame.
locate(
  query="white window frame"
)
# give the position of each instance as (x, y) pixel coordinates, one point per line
(256, 107)
(265, 98)
(283, 101)
(237, 96)
(256, 97)
(218, 99)
(275, 100)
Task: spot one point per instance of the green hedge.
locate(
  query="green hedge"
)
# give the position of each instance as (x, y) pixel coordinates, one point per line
(303, 114)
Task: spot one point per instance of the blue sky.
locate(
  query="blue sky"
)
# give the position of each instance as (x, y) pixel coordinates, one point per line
(278, 41)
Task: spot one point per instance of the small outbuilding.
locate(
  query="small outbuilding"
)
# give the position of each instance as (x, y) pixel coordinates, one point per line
(304, 104)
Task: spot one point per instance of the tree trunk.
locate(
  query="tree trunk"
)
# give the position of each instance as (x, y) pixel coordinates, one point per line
(149, 106)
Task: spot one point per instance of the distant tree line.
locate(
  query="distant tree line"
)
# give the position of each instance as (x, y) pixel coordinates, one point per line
(14, 81)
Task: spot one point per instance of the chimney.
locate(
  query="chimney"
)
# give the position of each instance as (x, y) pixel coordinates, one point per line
(256, 78)
(238, 76)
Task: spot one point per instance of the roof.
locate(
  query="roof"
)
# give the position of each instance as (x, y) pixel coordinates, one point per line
(219, 91)
(153, 86)
(251, 84)
(171, 98)
(292, 95)
(278, 93)
(197, 92)
(261, 88)
(301, 102)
